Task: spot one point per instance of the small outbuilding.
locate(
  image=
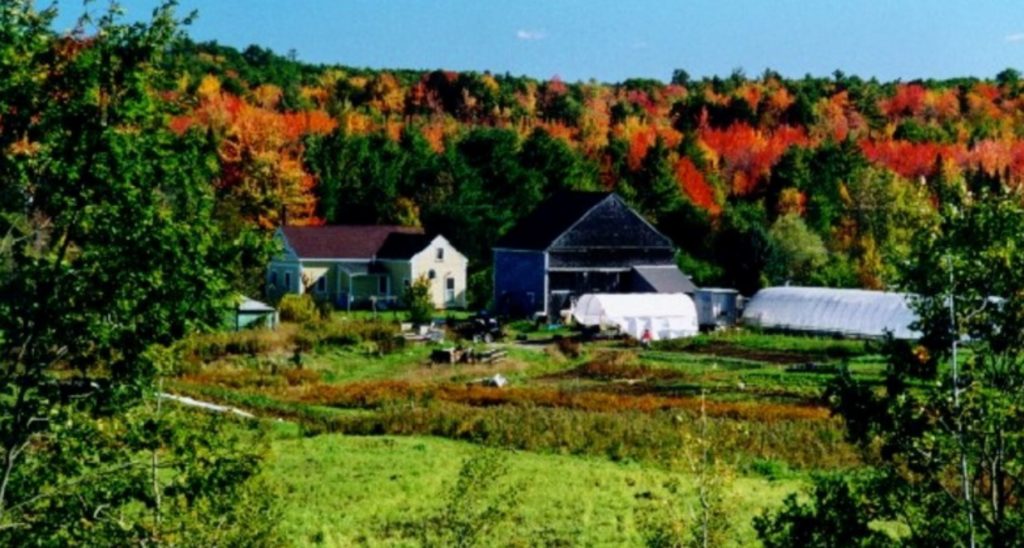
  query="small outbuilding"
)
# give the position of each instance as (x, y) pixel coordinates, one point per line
(717, 307)
(828, 311)
(253, 313)
(666, 315)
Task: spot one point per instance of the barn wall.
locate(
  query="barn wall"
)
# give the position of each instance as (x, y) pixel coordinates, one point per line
(519, 282)
(622, 258)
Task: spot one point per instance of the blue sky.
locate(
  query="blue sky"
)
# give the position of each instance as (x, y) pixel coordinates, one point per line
(614, 40)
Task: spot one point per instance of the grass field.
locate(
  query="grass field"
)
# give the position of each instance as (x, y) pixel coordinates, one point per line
(352, 490)
(599, 437)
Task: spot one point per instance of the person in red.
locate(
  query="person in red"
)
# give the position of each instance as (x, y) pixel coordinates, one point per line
(645, 339)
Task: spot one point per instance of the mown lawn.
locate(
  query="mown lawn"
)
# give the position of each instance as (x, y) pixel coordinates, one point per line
(348, 490)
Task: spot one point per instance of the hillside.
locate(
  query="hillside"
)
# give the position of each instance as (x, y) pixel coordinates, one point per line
(758, 180)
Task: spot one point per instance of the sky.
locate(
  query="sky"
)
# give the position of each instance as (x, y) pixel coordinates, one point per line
(613, 40)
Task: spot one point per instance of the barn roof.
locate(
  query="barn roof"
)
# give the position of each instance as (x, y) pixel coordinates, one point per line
(340, 241)
(665, 279)
(542, 226)
(400, 245)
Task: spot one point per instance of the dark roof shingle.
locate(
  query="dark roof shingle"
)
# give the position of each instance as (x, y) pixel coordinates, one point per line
(542, 226)
(400, 245)
(341, 241)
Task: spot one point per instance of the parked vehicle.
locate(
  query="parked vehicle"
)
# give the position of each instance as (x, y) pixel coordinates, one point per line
(482, 327)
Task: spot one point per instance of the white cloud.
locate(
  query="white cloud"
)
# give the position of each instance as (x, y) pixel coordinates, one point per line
(524, 34)
(1015, 37)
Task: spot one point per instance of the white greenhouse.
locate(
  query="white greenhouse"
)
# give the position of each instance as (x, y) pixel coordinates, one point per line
(846, 312)
(667, 315)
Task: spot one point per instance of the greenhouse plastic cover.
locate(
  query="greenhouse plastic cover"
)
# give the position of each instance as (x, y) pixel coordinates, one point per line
(667, 315)
(851, 312)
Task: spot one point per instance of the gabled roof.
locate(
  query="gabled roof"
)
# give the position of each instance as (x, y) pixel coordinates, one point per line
(399, 245)
(541, 227)
(665, 279)
(252, 305)
(340, 241)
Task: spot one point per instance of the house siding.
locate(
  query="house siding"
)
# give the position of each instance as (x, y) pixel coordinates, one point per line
(277, 270)
(520, 282)
(398, 272)
(453, 265)
(361, 290)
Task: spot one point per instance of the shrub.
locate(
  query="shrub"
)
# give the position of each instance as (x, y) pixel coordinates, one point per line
(475, 505)
(308, 337)
(417, 298)
(385, 337)
(324, 308)
(608, 366)
(298, 308)
(771, 469)
(208, 347)
(570, 348)
(658, 437)
(295, 377)
(837, 515)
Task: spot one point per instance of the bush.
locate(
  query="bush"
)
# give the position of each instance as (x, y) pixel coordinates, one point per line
(771, 469)
(384, 337)
(417, 298)
(298, 308)
(324, 308)
(837, 515)
(207, 347)
(570, 348)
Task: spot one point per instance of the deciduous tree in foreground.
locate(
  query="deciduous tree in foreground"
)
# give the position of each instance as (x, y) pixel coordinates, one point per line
(109, 250)
(946, 438)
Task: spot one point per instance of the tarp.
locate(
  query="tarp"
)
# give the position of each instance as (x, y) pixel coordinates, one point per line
(666, 315)
(848, 312)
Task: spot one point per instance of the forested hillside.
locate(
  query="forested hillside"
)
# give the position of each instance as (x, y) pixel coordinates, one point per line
(758, 179)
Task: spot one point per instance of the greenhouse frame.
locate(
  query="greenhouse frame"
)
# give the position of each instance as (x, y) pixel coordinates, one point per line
(857, 313)
(666, 315)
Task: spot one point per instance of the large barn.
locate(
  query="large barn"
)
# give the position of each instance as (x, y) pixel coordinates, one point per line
(576, 243)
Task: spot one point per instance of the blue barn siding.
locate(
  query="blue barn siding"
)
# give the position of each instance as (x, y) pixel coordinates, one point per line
(519, 282)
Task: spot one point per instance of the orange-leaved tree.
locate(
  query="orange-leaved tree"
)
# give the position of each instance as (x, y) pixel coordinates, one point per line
(261, 151)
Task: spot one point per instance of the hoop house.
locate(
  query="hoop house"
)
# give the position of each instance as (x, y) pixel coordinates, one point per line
(668, 316)
(847, 312)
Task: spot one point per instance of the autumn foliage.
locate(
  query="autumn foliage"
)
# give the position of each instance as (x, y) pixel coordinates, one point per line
(261, 152)
(402, 146)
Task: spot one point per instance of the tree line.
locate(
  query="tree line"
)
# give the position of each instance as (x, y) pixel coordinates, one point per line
(758, 180)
